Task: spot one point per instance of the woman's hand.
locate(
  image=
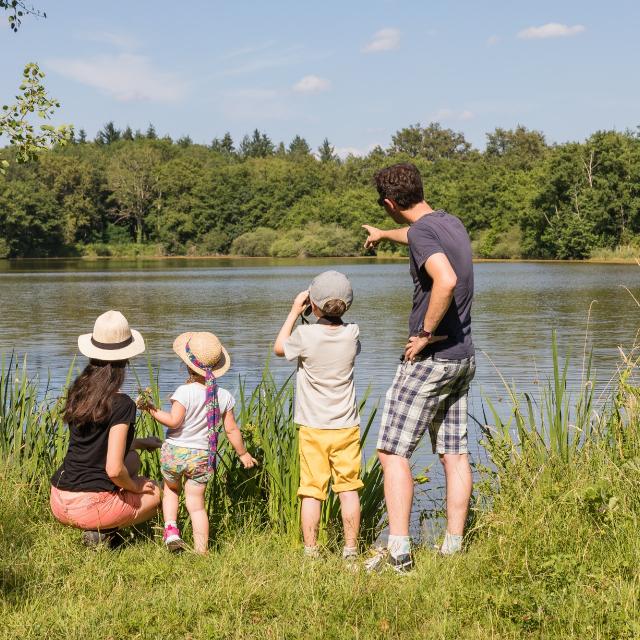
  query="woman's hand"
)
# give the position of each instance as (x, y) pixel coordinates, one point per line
(300, 303)
(248, 461)
(145, 486)
(150, 443)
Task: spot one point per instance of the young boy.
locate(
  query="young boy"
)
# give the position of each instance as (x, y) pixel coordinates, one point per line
(325, 407)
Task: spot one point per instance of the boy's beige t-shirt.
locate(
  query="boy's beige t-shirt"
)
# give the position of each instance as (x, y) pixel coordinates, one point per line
(325, 393)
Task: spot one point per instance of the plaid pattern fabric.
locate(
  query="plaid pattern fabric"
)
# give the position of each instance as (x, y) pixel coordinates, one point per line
(427, 394)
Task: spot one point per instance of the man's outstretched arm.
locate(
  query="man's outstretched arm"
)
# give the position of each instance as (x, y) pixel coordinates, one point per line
(376, 235)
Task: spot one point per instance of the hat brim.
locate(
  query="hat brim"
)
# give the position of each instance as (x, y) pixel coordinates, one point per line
(134, 348)
(221, 367)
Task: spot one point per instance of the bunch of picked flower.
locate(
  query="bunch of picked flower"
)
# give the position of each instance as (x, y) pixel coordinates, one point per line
(145, 398)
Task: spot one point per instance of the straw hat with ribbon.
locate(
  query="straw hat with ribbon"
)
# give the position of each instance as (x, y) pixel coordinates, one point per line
(112, 339)
(202, 352)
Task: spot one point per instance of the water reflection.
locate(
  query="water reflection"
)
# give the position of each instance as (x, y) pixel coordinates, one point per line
(46, 304)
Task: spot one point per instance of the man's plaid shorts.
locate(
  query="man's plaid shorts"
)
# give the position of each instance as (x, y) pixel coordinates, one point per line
(427, 394)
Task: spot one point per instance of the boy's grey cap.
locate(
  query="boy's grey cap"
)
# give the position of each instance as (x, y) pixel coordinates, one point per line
(330, 285)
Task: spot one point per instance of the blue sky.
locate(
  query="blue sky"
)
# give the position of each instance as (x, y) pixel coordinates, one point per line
(354, 71)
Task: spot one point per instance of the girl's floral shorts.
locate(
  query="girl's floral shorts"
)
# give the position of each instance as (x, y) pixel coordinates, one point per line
(179, 463)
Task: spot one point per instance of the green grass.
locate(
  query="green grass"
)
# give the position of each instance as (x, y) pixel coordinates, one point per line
(553, 549)
(624, 253)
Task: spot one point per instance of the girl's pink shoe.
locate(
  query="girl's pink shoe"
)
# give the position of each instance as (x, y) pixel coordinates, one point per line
(171, 538)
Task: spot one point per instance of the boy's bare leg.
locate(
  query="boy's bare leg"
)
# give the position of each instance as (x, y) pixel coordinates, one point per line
(350, 508)
(310, 516)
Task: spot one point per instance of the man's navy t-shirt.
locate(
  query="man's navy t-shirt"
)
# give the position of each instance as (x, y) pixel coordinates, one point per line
(440, 232)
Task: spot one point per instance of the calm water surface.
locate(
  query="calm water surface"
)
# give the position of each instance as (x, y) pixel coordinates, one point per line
(46, 304)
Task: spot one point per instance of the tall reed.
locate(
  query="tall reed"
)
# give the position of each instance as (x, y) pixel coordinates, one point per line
(34, 440)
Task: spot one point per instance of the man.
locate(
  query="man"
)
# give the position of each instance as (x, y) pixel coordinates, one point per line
(431, 386)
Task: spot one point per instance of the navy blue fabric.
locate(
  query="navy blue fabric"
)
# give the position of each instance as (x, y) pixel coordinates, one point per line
(440, 232)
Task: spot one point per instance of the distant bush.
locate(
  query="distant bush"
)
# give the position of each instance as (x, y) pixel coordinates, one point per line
(316, 241)
(254, 243)
(491, 243)
(212, 242)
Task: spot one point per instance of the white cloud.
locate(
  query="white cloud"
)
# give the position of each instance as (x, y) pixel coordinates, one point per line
(247, 51)
(491, 40)
(446, 114)
(345, 152)
(118, 40)
(550, 30)
(125, 77)
(312, 84)
(251, 104)
(258, 59)
(383, 40)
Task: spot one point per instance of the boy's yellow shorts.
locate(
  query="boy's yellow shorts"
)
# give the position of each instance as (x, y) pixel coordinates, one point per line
(329, 454)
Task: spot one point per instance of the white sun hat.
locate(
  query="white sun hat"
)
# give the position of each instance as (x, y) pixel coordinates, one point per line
(112, 339)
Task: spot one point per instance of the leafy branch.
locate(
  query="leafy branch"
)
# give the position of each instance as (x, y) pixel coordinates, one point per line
(14, 119)
(17, 10)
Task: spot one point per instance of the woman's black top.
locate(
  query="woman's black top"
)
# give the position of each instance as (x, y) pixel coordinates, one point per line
(83, 468)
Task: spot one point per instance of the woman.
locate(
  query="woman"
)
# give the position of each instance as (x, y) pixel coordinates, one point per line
(97, 488)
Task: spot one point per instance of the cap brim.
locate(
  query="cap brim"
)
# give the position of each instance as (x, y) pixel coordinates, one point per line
(134, 348)
(222, 366)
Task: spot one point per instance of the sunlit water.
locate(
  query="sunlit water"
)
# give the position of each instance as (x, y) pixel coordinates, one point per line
(46, 304)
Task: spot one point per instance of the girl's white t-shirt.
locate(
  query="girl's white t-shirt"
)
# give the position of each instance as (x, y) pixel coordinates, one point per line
(193, 432)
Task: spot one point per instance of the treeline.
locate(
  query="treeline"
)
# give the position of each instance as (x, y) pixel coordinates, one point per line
(131, 192)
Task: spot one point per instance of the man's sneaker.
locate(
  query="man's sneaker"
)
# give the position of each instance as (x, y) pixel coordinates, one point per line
(401, 564)
(312, 553)
(94, 539)
(377, 561)
(382, 560)
(172, 540)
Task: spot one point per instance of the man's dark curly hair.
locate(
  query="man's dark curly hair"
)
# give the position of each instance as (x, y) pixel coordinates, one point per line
(401, 183)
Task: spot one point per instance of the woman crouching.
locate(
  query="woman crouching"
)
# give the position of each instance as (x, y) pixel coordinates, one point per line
(97, 488)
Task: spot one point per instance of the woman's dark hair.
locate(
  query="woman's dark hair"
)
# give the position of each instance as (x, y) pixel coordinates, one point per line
(401, 183)
(91, 395)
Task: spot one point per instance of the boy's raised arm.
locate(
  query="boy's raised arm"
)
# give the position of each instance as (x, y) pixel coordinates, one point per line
(297, 309)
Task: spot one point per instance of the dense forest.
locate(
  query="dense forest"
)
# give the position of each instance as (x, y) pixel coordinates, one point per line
(135, 193)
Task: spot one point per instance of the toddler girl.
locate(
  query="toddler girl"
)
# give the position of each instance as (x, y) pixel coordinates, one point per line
(188, 454)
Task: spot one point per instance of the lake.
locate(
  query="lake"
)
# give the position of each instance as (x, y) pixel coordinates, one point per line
(47, 303)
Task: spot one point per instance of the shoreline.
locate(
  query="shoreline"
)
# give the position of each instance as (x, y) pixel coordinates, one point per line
(296, 260)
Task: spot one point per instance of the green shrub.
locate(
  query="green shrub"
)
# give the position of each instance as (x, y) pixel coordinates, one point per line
(315, 241)
(254, 243)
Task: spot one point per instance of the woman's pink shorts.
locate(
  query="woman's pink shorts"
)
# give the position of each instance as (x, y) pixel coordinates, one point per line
(95, 509)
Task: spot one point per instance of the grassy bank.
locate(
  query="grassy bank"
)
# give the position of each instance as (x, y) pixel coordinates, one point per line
(552, 551)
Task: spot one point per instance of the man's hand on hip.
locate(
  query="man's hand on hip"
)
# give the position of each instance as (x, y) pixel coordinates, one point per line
(416, 345)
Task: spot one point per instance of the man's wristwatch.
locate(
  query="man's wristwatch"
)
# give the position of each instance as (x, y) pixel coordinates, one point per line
(424, 334)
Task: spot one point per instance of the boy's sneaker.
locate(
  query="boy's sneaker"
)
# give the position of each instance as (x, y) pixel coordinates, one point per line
(172, 540)
(350, 558)
(383, 560)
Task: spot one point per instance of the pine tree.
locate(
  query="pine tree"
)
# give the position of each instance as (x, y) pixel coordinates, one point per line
(82, 136)
(299, 147)
(259, 145)
(108, 134)
(327, 152)
(224, 145)
(151, 133)
(127, 134)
